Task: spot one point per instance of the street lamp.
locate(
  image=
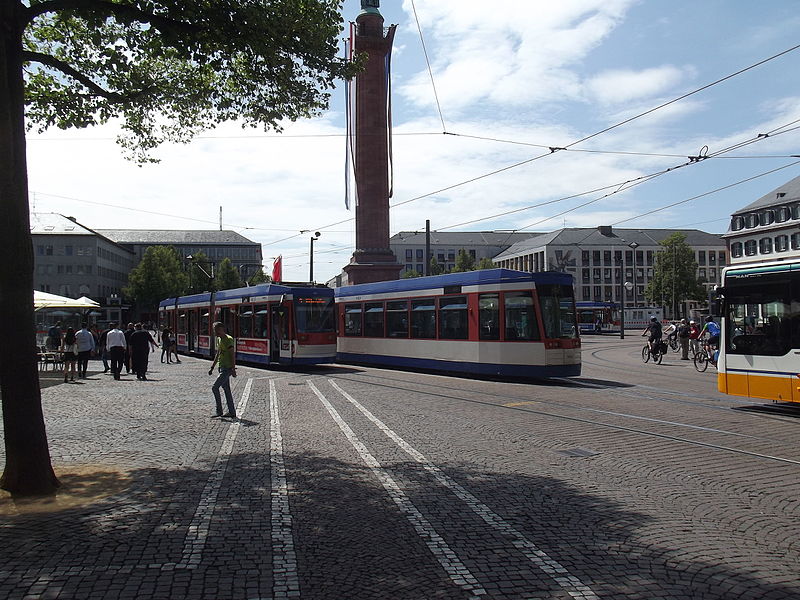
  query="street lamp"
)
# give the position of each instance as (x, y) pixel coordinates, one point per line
(314, 238)
(633, 246)
(197, 264)
(627, 285)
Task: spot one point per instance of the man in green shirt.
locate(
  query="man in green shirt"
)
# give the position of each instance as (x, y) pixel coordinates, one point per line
(226, 357)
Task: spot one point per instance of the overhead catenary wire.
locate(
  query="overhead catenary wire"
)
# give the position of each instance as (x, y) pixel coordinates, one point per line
(428, 63)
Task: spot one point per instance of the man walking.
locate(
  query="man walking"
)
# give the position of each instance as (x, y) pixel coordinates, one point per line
(226, 357)
(141, 344)
(85, 342)
(116, 344)
(128, 332)
(683, 338)
(102, 348)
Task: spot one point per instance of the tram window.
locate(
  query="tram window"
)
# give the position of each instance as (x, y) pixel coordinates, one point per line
(737, 249)
(423, 319)
(760, 320)
(397, 319)
(225, 316)
(373, 319)
(352, 320)
(783, 214)
(781, 243)
(260, 321)
(204, 324)
(765, 245)
(182, 321)
(453, 318)
(489, 316)
(558, 311)
(737, 223)
(751, 220)
(750, 247)
(314, 315)
(521, 321)
(795, 241)
(246, 320)
(766, 217)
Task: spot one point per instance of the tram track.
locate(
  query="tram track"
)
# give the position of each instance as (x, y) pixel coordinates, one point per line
(446, 392)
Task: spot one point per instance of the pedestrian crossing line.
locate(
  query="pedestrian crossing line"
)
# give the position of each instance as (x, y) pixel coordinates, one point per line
(569, 583)
(201, 521)
(285, 580)
(458, 572)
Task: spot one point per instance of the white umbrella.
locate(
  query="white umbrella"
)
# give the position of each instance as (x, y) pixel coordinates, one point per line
(44, 300)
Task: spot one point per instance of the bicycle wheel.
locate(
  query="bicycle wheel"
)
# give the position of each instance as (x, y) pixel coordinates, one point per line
(700, 361)
(675, 345)
(645, 354)
(658, 356)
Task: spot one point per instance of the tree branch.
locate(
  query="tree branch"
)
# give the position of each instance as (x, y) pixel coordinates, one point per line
(68, 69)
(125, 11)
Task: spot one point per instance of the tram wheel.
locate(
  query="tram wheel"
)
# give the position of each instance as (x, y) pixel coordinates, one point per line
(645, 354)
(700, 362)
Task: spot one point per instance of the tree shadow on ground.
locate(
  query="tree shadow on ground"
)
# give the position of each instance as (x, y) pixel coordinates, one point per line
(352, 541)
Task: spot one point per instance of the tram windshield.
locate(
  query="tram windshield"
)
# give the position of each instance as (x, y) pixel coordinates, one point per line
(557, 303)
(314, 315)
(763, 315)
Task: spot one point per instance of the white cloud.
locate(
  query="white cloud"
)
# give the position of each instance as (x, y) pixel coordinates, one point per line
(623, 85)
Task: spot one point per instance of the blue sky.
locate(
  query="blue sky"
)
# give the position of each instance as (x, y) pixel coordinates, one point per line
(533, 72)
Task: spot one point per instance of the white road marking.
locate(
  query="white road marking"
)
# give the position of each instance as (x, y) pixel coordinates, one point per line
(196, 536)
(285, 581)
(458, 572)
(571, 584)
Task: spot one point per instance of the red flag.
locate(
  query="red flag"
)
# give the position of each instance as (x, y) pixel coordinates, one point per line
(277, 269)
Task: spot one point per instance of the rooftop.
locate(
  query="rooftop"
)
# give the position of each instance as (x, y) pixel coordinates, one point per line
(788, 192)
(456, 238)
(57, 224)
(174, 236)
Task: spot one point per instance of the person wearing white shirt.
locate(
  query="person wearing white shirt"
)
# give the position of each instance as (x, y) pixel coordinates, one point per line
(85, 342)
(116, 344)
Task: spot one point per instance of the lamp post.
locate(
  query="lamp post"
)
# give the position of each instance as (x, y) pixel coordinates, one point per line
(314, 238)
(197, 264)
(633, 246)
(627, 285)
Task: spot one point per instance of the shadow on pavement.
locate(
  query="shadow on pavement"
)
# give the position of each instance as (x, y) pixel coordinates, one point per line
(352, 542)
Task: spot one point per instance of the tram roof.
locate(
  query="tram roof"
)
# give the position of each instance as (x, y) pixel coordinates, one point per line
(482, 277)
(273, 289)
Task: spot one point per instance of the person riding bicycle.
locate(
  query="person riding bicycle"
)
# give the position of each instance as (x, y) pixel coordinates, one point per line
(712, 327)
(654, 331)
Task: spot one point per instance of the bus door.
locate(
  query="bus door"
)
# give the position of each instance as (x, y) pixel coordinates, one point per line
(191, 331)
(280, 348)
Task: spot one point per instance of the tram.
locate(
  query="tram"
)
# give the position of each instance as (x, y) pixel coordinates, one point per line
(590, 312)
(489, 322)
(272, 324)
(760, 339)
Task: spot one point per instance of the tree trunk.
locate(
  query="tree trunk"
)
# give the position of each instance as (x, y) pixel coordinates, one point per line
(27, 470)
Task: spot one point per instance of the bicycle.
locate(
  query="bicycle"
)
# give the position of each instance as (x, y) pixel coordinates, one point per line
(674, 344)
(657, 355)
(703, 357)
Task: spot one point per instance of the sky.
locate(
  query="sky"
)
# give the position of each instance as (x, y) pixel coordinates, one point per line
(521, 73)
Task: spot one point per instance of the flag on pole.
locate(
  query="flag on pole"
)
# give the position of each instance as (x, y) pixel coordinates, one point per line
(277, 269)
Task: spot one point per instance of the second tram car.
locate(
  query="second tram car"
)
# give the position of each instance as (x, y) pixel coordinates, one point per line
(491, 322)
(271, 324)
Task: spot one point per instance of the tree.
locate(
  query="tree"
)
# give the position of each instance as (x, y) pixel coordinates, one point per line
(464, 262)
(199, 271)
(227, 276)
(166, 69)
(160, 275)
(259, 277)
(674, 274)
(485, 263)
(435, 268)
(410, 273)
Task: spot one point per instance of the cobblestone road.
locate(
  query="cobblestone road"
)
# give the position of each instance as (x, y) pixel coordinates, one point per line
(633, 481)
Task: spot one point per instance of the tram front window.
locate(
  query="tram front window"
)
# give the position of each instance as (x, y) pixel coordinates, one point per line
(762, 316)
(314, 315)
(557, 303)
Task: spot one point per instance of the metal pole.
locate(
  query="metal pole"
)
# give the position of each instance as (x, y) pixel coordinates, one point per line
(427, 270)
(311, 262)
(674, 276)
(634, 277)
(622, 297)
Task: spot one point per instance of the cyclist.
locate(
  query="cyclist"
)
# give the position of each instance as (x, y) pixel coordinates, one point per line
(654, 331)
(694, 337)
(711, 326)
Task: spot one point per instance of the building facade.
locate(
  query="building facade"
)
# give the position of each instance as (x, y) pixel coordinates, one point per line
(768, 227)
(409, 246)
(601, 259)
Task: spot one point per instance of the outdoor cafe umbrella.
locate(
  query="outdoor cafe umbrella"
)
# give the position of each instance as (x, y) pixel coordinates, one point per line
(44, 300)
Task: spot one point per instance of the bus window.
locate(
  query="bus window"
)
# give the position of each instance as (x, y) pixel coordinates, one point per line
(453, 318)
(246, 320)
(352, 320)
(760, 319)
(314, 315)
(260, 321)
(558, 311)
(373, 319)
(520, 317)
(423, 319)
(397, 319)
(489, 316)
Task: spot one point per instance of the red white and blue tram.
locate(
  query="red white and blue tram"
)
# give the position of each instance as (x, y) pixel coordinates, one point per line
(272, 324)
(490, 322)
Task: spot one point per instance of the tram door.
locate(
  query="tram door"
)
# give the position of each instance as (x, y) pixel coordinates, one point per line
(191, 330)
(280, 343)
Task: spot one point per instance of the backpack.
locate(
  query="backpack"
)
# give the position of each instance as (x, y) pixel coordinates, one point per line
(713, 328)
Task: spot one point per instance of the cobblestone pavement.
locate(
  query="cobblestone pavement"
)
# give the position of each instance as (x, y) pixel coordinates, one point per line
(632, 481)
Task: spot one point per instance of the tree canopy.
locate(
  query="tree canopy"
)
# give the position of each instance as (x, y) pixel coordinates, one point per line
(227, 276)
(674, 274)
(464, 262)
(259, 277)
(159, 275)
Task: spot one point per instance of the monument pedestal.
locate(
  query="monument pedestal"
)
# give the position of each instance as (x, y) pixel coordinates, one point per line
(369, 266)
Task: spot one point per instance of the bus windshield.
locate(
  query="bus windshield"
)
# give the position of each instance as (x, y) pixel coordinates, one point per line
(314, 315)
(557, 303)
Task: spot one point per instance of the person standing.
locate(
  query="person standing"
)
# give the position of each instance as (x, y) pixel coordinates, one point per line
(128, 333)
(85, 343)
(226, 357)
(683, 337)
(694, 337)
(103, 349)
(69, 347)
(166, 341)
(54, 336)
(116, 344)
(141, 345)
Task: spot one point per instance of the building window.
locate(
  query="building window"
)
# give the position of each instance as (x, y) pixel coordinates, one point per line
(451, 256)
(409, 254)
(420, 254)
(617, 256)
(48, 250)
(606, 257)
(585, 258)
(68, 250)
(721, 259)
(421, 269)
(750, 247)
(765, 245)
(586, 274)
(596, 275)
(766, 217)
(712, 258)
(472, 253)
(701, 258)
(649, 258)
(639, 257)
(712, 273)
(796, 211)
(751, 220)
(598, 292)
(587, 293)
(795, 241)
(440, 258)
(737, 223)
(701, 273)
(628, 256)
(781, 243)
(607, 275)
(69, 269)
(609, 292)
(409, 267)
(60, 269)
(783, 214)
(596, 257)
